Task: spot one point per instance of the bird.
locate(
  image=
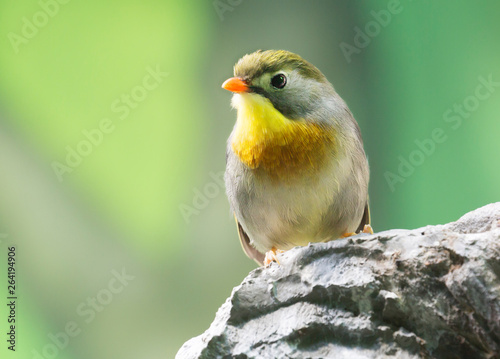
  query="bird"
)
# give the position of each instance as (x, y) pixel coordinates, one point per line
(296, 169)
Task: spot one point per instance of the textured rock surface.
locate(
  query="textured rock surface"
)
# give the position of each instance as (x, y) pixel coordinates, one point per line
(430, 292)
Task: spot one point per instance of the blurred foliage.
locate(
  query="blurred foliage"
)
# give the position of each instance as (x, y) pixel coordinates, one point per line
(148, 197)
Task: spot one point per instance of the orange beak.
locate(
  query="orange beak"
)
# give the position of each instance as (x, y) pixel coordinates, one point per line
(235, 84)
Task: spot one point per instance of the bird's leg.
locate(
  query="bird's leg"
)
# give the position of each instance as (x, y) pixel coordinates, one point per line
(272, 256)
(349, 234)
(368, 229)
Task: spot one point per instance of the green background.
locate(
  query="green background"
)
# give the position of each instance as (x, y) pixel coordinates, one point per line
(145, 199)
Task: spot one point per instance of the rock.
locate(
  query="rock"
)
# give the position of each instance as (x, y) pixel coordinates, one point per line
(432, 292)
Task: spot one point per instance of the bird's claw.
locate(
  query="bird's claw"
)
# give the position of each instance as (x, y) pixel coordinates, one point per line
(368, 229)
(272, 256)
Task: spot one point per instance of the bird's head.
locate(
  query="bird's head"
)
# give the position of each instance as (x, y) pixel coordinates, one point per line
(283, 80)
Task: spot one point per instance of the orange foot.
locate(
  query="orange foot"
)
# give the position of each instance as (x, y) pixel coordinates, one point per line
(272, 256)
(345, 235)
(368, 229)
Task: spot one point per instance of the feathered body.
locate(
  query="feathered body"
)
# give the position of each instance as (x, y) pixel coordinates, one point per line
(296, 169)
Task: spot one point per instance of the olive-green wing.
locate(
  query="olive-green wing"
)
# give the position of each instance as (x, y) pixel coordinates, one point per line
(365, 219)
(250, 251)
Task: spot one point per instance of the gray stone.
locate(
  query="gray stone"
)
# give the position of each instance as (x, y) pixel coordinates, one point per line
(432, 292)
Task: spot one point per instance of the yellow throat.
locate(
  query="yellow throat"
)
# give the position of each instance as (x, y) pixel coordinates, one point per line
(263, 138)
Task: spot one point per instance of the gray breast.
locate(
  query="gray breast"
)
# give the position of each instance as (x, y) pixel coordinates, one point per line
(315, 208)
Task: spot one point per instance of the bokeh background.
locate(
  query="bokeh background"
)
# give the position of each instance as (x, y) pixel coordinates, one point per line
(147, 200)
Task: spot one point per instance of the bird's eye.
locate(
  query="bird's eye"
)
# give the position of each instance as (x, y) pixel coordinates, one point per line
(279, 81)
